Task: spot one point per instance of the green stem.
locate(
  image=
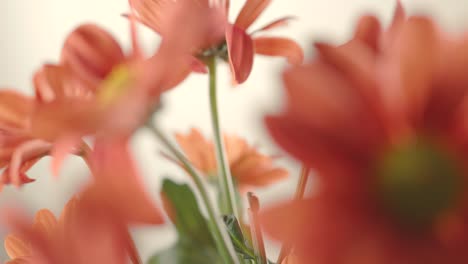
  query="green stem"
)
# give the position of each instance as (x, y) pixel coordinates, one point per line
(220, 235)
(225, 179)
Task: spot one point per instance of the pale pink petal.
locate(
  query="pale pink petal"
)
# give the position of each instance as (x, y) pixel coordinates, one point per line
(249, 12)
(284, 47)
(241, 53)
(60, 150)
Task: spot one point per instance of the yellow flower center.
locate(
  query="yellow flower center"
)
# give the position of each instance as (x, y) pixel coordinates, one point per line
(115, 85)
(418, 182)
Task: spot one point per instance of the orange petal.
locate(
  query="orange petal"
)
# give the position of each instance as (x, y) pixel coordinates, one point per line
(249, 12)
(45, 222)
(26, 152)
(16, 247)
(15, 109)
(91, 52)
(115, 174)
(241, 53)
(369, 31)
(150, 12)
(279, 47)
(281, 22)
(417, 63)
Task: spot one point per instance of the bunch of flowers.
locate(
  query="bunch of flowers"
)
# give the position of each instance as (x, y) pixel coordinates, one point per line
(380, 122)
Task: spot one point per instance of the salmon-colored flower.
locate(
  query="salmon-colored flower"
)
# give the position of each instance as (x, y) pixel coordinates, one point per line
(93, 226)
(248, 167)
(78, 236)
(238, 46)
(387, 136)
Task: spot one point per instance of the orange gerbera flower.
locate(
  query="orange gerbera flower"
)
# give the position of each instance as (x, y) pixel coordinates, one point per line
(238, 47)
(249, 167)
(387, 136)
(78, 236)
(93, 227)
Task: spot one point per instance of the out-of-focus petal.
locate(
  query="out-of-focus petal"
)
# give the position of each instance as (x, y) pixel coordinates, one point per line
(45, 222)
(61, 149)
(283, 47)
(15, 247)
(91, 52)
(281, 22)
(250, 12)
(417, 51)
(198, 150)
(369, 31)
(70, 116)
(150, 12)
(115, 174)
(24, 154)
(15, 109)
(241, 53)
(198, 66)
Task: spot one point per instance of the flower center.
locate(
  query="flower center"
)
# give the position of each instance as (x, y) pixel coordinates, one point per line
(418, 182)
(115, 85)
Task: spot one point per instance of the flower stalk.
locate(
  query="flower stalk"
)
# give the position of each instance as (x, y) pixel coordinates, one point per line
(222, 240)
(258, 243)
(300, 191)
(226, 183)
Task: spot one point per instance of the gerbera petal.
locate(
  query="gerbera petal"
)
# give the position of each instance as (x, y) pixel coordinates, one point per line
(281, 22)
(241, 53)
(27, 151)
(91, 52)
(15, 109)
(60, 150)
(115, 173)
(45, 222)
(15, 247)
(150, 12)
(418, 50)
(249, 12)
(369, 31)
(284, 47)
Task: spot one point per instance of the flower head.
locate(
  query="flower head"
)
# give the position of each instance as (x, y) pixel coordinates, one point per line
(249, 167)
(386, 134)
(237, 46)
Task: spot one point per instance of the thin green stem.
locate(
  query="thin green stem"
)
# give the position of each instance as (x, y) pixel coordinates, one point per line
(226, 183)
(300, 190)
(220, 235)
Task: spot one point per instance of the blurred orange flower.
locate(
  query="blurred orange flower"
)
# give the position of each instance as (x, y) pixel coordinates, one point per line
(238, 47)
(78, 236)
(93, 225)
(248, 167)
(386, 133)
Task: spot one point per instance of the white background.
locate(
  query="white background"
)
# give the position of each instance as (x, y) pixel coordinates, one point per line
(33, 31)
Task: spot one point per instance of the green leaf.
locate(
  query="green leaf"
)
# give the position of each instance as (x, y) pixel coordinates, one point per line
(187, 253)
(189, 222)
(237, 238)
